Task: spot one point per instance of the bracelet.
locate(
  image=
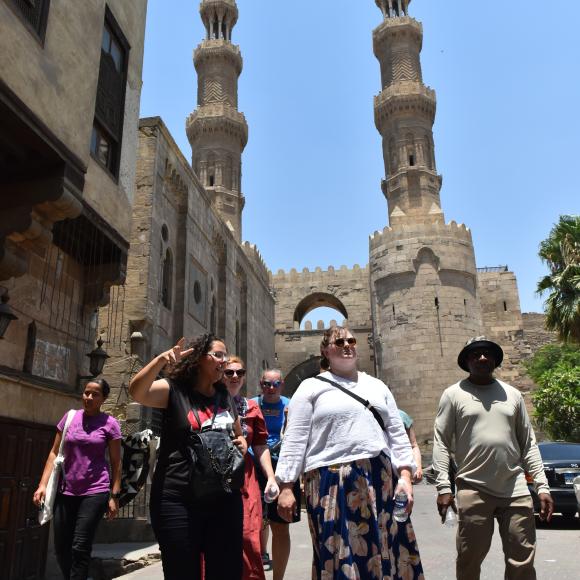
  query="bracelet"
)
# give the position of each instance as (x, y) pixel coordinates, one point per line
(115, 495)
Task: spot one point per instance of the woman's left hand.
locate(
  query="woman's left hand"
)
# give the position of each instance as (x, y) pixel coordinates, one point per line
(113, 509)
(241, 443)
(405, 485)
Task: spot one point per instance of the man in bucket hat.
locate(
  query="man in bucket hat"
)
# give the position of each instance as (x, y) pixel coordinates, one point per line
(485, 422)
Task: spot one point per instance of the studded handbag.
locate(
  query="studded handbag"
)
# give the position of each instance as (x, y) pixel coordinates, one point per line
(217, 466)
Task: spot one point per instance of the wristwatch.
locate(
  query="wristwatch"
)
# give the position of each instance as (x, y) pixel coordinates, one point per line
(115, 495)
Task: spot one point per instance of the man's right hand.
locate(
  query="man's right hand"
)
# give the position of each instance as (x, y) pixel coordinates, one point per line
(444, 502)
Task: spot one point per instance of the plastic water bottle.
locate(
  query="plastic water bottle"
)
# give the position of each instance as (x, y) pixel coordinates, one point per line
(450, 518)
(271, 493)
(400, 510)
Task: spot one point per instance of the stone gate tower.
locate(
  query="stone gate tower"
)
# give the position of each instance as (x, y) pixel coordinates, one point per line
(216, 130)
(424, 290)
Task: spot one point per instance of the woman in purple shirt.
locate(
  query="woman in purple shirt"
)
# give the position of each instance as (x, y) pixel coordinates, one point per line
(86, 490)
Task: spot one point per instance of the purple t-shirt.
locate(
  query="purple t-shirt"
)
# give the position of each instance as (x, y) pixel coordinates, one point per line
(86, 468)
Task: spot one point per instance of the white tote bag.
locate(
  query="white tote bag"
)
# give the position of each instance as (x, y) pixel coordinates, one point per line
(47, 507)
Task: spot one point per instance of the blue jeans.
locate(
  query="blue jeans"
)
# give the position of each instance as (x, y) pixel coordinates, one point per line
(76, 518)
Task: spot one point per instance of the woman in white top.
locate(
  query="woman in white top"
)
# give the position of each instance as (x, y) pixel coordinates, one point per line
(353, 468)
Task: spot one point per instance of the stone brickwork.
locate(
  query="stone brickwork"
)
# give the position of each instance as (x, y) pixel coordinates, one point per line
(214, 283)
(297, 293)
(65, 219)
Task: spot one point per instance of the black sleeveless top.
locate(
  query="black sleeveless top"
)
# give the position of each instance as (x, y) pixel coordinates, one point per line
(173, 468)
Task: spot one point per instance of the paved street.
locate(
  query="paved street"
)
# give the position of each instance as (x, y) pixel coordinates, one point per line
(558, 556)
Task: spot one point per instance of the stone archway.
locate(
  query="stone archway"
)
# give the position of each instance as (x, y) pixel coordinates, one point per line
(316, 300)
(298, 293)
(304, 370)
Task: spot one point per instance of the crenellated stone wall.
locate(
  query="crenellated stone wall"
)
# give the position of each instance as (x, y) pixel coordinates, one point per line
(297, 293)
(425, 306)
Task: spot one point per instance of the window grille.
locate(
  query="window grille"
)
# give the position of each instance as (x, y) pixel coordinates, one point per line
(110, 103)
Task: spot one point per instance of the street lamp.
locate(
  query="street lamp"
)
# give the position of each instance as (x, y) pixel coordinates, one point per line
(97, 358)
(6, 315)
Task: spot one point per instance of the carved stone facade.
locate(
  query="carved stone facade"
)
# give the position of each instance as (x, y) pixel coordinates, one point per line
(186, 272)
(216, 130)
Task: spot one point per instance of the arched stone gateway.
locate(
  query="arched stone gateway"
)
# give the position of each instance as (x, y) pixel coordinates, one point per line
(296, 294)
(304, 370)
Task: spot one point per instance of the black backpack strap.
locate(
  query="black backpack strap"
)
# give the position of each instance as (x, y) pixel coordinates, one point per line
(362, 401)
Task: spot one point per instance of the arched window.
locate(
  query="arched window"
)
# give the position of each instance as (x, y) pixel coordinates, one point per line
(167, 279)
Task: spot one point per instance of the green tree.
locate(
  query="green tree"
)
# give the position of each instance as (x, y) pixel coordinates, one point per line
(561, 252)
(556, 370)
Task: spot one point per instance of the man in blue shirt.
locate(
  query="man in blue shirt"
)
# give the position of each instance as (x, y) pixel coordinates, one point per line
(275, 408)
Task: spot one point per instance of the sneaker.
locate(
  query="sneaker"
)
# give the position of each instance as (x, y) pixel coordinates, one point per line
(266, 562)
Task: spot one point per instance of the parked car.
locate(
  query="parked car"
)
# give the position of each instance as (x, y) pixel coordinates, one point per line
(562, 466)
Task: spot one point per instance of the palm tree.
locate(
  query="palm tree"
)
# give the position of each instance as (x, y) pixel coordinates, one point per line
(561, 252)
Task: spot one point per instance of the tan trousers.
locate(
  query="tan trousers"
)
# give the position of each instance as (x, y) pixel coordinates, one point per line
(476, 513)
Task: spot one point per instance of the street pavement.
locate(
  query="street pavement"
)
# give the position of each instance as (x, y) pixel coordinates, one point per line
(557, 557)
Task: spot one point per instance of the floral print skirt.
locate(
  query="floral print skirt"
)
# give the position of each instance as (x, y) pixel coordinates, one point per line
(350, 509)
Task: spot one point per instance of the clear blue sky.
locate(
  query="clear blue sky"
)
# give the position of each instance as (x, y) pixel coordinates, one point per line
(507, 131)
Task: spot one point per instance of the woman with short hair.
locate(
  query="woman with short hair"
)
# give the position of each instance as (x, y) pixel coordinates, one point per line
(353, 469)
(86, 490)
(198, 538)
(256, 434)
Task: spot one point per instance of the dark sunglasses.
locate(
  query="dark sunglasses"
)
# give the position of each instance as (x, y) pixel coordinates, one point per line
(231, 372)
(340, 342)
(267, 384)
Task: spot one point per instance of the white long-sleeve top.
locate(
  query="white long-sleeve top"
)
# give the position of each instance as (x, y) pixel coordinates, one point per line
(327, 427)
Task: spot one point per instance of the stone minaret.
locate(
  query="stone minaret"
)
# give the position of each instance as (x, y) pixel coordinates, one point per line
(216, 130)
(423, 275)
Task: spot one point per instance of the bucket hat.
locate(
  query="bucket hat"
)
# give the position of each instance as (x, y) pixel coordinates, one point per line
(479, 342)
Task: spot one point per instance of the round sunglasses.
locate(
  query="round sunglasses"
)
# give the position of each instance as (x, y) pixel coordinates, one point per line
(340, 342)
(231, 372)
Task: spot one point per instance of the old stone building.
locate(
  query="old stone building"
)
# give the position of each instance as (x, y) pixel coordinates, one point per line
(421, 296)
(188, 271)
(186, 274)
(70, 81)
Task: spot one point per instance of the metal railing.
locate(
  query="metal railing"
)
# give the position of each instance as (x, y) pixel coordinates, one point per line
(492, 269)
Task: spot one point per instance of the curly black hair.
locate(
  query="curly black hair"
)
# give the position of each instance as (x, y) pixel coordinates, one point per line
(185, 371)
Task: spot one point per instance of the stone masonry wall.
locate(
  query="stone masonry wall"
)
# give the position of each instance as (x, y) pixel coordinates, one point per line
(425, 306)
(209, 268)
(297, 293)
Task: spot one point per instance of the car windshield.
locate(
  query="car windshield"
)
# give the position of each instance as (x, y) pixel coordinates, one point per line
(560, 451)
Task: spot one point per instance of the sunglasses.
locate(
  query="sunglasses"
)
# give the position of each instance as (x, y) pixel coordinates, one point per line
(231, 372)
(267, 384)
(340, 342)
(219, 355)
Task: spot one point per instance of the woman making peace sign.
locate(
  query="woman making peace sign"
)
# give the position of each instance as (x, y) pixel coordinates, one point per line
(186, 528)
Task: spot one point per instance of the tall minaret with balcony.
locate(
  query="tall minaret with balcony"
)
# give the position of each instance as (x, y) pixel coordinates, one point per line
(216, 130)
(404, 116)
(424, 293)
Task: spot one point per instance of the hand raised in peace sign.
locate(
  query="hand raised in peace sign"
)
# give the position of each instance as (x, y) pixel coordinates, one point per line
(175, 354)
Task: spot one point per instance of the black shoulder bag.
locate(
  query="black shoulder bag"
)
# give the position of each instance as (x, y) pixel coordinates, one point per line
(217, 465)
(362, 401)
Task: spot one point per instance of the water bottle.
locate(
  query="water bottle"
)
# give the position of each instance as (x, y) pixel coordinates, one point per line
(400, 510)
(450, 518)
(271, 493)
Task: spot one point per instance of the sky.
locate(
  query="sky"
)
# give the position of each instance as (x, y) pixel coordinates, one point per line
(507, 129)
